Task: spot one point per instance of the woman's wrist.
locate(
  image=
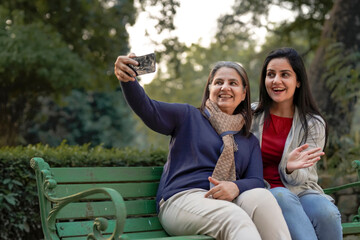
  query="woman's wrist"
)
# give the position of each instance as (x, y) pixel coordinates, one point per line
(288, 171)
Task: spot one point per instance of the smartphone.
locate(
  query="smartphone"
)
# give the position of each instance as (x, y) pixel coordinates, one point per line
(146, 62)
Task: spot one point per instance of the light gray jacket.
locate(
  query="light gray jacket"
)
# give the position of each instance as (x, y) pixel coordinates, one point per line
(301, 181)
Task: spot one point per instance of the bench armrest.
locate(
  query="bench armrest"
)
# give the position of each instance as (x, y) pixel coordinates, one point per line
(338, 188)
(100, 224)
(46, 183)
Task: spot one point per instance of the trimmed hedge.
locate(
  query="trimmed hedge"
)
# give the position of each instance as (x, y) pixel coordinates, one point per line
(19, 206)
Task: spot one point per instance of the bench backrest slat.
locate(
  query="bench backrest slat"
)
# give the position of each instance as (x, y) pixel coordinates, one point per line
(106, 174)
(84, 210)
(127, 190)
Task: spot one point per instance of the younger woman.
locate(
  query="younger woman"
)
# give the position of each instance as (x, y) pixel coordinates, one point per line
(292, 135)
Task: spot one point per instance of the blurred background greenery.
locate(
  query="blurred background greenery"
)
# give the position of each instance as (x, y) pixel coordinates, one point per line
(60, 100)
(56, 67)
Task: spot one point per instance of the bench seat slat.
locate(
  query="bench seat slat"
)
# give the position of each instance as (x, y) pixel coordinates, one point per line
(140, 235)
(127, 190)
(190, 237)
(106, 174)
(158, 235)
(131, 225)
(82, 210)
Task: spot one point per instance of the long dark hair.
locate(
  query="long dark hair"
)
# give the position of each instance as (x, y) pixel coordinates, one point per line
(244, 107)
(303, 98)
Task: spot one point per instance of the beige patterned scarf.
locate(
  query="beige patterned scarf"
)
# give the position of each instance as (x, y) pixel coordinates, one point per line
(226, 126)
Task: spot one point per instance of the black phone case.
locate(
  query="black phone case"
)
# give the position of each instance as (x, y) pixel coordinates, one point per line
(146, 64)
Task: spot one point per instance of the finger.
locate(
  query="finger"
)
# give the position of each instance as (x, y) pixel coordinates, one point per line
(122, 76)
(213, 181)
(307, 165)
(223, 195)
(316, 155)
(218, 195)
(208, 194)
(211, 192)
(127, 70)
(312, 156)
(314, 150)
(314, 160)
(310, 162)
(302, 147)
(131, 55)
(126, 60)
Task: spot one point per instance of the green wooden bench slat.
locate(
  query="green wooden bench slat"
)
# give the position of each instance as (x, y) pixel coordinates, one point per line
(137, 207)
(131, 225)
(106, 174)
(184, 237)
(158, 235)
(146, 235)
(82, 210)
(127, 190)
(140, 235)
(351, 228)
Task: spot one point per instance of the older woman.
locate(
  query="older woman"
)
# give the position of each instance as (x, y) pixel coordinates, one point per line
(212, 181)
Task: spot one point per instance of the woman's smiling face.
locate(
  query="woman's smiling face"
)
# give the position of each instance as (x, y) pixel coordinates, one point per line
(280, 81)
(227, 89)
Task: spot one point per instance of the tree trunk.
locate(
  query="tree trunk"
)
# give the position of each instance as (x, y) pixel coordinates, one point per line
(343, 26)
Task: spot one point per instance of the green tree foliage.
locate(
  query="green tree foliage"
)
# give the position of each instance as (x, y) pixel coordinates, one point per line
(93, 30)
(49, 48)
(30, 66)
(84, 117)
(165, 20)
(309, 18)
(52, 47)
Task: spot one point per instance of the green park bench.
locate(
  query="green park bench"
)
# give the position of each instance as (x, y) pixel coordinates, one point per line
(111, 202)
(75, 202)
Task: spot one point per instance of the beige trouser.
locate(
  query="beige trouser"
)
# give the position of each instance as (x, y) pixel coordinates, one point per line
(254, 214)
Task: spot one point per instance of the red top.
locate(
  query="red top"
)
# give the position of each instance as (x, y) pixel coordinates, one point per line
(272, 147)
